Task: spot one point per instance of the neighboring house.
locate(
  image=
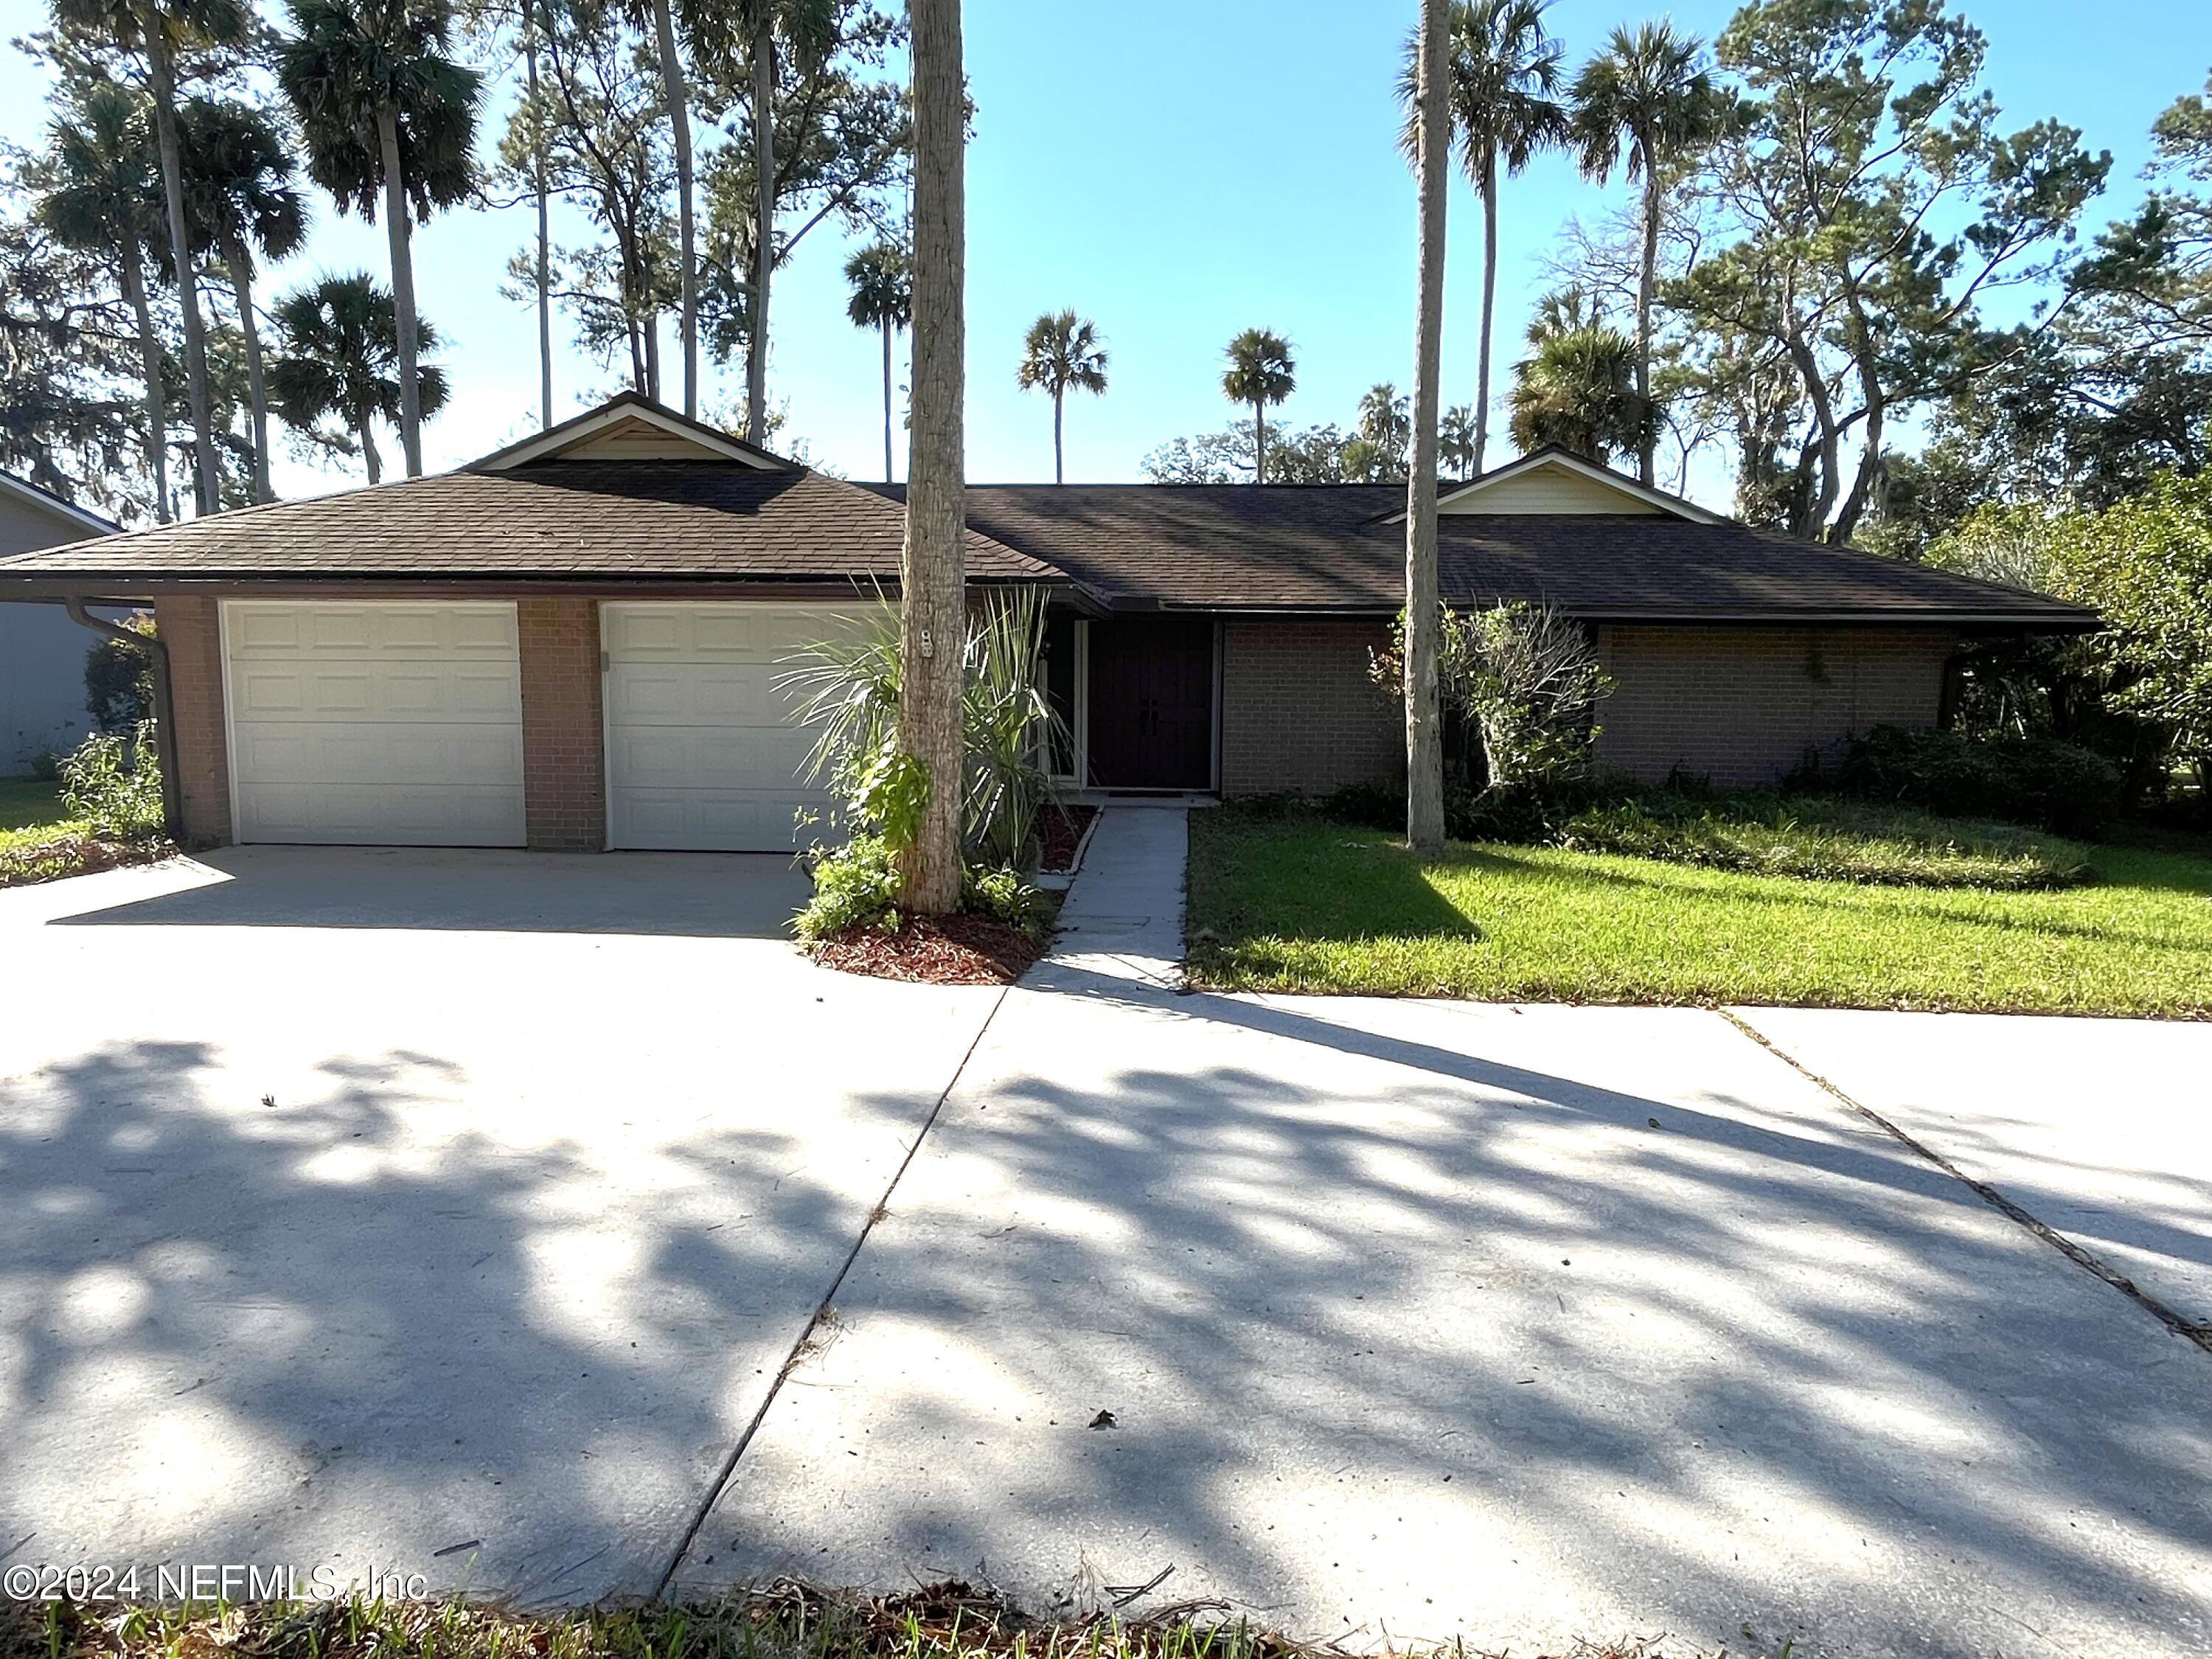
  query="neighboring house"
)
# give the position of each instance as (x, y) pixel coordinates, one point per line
(41, 650)
(576, 643)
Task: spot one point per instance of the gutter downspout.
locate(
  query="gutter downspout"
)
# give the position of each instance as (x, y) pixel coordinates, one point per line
(165, 731)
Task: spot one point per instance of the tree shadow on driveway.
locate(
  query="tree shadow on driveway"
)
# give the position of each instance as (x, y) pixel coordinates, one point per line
(1524, 1325)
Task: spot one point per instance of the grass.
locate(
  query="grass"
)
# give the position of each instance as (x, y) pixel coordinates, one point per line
(785, 1620)
(31, 810)
(1297, 903)
(40, 840)
(1832, 838)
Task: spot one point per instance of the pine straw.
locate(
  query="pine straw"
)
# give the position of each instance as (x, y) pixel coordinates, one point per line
(75, 855)
(786, 1619)
(934, 951)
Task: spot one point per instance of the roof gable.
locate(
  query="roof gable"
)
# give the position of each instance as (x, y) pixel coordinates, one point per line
(24, 493)
(1558, 481)
(629, 427)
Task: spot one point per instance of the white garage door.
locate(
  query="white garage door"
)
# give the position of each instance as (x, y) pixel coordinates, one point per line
(703, 752)
(398, 722)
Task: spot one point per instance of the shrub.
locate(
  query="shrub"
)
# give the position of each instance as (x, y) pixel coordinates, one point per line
(1369, 805)
(2034, 781)
(1003, 896)
(118, 679)
(113, 783)
(1827, 840)
(857, 885)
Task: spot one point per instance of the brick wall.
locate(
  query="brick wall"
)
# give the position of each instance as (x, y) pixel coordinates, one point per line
(563, 764)
(193, 635)
(1740, 705)
(1298, 713)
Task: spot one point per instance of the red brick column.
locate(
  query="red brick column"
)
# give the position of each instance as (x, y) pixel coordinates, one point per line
(563, 756)
(190, 631)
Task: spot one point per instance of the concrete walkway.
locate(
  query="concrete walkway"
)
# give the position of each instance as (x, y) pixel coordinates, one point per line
(1123, 917)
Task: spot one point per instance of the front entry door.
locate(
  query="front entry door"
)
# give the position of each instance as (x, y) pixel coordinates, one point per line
(1152, 704)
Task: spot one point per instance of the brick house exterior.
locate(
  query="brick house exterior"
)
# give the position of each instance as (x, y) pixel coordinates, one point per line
(576, 643)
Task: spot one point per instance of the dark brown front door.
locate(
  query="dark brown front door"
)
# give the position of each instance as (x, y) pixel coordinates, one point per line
(1152, 704)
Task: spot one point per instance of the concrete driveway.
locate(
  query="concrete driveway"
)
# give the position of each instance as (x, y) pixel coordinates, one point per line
(1417, 1320)
(1412, 1319)
(426, 1211)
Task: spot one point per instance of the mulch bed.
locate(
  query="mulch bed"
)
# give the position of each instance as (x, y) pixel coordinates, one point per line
(1061, 829)
(935, 950)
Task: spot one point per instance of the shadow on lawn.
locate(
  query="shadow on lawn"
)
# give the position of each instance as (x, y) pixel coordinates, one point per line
(1387, 1320)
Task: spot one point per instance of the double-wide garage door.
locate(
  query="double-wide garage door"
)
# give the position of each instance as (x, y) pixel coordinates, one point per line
(401, 722)
(392, 722)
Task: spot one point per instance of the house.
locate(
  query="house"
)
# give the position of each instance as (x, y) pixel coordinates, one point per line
(41, 650)
(576, 643)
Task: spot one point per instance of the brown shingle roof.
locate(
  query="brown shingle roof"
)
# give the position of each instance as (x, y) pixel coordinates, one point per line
(1225, 547)
(1332, 547)
(564, 518)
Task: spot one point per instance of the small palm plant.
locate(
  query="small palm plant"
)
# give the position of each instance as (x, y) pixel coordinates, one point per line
(846, 687)
(1061, 354)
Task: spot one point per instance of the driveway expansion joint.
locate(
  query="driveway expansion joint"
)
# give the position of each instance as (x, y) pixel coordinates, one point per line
(806, 1343)
(2191, 1330)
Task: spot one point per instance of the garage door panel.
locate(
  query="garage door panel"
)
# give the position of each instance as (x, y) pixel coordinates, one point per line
(704, 750)
(382, 814)
(389, 722)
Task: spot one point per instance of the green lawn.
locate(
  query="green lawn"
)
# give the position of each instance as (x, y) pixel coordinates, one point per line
(31, 812)
(1298, 903)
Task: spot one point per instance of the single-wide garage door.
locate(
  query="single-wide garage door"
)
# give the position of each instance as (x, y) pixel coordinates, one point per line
(704, 752)
(397, 722)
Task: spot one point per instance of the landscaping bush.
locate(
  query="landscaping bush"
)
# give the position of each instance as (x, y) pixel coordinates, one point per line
(118, 679)
(1827, 840)
(112, 783)
(2033, 781)
(857, 884)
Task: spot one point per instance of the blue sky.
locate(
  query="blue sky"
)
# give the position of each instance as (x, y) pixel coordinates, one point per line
(1177, 170)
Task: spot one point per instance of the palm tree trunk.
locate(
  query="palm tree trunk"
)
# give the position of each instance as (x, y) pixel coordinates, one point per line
(679, 122)
(1647, 283)
(363, 424)
(241, 285)
(1258, 442)
(933, 608)
(544, 238)
(395, 229)
(150, 355)
(1059, 467)
(154, 27)
(1424, 760)
(887, 402)
(765, 226)
(1489, 308)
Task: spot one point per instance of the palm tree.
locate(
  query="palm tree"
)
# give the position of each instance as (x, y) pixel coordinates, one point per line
(1387, 423)
(1578, 388)
(1432, 132)
(1503, 76)
(806, 28)
(1456, 441)
(384, 112)
(1648, 96)
(338, 360)
(159, 29)
(241, 198)
(1061, 352)
(1261, 372)
(97, 185)
(883, 298)
(933, 570)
